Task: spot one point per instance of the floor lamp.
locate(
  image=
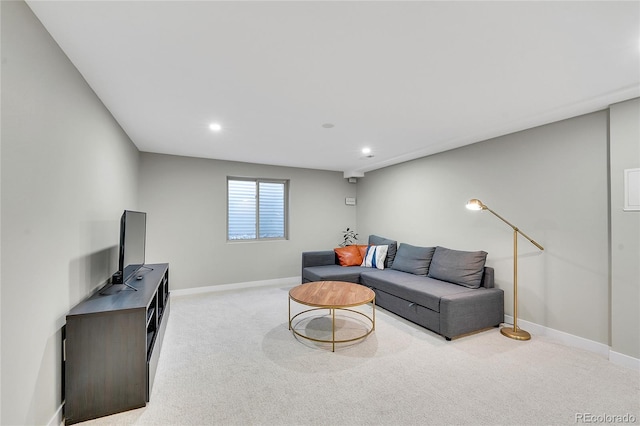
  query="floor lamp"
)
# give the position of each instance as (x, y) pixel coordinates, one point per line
(515, 332)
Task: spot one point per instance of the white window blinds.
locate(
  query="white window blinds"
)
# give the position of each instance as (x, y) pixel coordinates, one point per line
(257, 209)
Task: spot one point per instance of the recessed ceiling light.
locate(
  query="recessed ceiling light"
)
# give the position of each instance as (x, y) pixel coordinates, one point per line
(215, 127)
(366, 151)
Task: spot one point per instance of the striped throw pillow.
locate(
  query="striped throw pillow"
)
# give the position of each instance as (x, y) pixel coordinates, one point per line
(375, 256)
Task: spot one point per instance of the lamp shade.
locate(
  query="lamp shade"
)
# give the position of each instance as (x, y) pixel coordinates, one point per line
(475, 204)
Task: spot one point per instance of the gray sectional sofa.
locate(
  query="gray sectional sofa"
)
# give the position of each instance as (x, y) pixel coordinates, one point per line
(450, 292)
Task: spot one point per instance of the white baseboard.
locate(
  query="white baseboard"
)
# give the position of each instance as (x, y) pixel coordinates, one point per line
(285, 282)
(577, 342)
(57, 419)
(564, 338)
(624, 360)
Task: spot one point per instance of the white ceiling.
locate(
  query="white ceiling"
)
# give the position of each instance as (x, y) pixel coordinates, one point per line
(406, 79)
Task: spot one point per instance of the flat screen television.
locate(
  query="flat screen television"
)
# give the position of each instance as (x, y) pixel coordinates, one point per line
(133, 230)
(131, 250)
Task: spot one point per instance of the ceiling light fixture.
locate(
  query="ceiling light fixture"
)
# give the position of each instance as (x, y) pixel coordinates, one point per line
(215, 127)
(366, 151)
(328, 125)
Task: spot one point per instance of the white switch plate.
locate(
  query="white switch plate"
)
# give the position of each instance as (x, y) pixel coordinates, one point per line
(350, 201)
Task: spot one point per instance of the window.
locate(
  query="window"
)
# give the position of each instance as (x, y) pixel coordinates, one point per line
(257, 209)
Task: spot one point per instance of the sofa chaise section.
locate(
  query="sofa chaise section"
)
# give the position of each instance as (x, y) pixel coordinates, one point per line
(456, 297)
(448, 309)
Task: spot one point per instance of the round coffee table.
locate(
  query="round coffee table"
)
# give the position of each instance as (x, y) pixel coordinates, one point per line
(333, 295)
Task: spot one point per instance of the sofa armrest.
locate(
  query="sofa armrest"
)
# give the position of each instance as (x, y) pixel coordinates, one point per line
(318, 258)
(472, 310)
(487, 278)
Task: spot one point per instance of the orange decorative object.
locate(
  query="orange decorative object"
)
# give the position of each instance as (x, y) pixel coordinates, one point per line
(349, 255)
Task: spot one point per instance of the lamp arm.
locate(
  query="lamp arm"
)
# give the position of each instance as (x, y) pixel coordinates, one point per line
(531, 240)
(515, 228)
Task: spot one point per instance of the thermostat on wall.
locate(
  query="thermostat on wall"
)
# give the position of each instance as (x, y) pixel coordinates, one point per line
(350, 201)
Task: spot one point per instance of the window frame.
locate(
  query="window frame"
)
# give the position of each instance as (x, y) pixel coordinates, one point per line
(257, 181)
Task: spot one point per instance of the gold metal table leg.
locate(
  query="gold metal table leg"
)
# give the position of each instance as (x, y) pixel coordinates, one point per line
(373, 304)
(333, 330)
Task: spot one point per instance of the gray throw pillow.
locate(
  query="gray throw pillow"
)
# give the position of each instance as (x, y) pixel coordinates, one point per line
(412, 259)
(459, 267)
(375, 240)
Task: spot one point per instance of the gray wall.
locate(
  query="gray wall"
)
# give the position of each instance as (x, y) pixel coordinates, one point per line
(550, 181)
(185, 199)
(68, 171)
(625, 231)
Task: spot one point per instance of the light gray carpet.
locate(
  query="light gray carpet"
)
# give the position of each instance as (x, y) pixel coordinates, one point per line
(229, 359)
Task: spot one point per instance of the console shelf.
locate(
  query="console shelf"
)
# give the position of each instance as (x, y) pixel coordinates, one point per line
(112, 347)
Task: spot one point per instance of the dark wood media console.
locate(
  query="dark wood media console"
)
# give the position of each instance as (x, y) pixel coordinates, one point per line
(112, 346)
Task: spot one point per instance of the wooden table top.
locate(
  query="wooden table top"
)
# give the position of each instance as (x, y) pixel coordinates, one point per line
(332, 294)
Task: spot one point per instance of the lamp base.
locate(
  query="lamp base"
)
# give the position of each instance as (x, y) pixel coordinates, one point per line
(515, 333)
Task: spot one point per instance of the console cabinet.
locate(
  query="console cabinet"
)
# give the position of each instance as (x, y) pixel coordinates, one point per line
(112, 346)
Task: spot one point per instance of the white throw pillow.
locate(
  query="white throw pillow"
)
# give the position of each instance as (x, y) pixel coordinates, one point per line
(375, 256)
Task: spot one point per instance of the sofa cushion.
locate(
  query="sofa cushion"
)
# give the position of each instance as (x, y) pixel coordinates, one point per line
(375, 257)
(348, 256)
(391, 251)
(423, 291)
(412, 259)
(333, 273)
(464, 268)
